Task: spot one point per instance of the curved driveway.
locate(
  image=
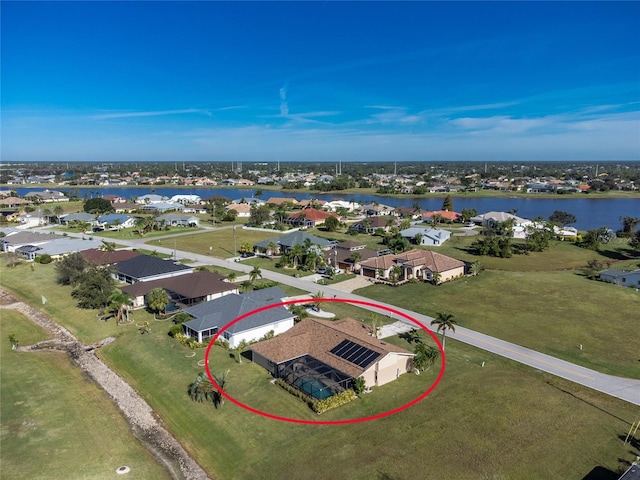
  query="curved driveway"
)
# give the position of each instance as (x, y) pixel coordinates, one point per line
(623, 388)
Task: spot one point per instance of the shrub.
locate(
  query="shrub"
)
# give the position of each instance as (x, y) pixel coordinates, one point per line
(308, 399)
(334, 401)
(43, 259)
(181, 317)
(359, 385)
(175, 330)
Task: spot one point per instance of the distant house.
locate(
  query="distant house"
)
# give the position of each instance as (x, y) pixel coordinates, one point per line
(624, 278)
(175, 219)
(284, 243)
(48, 196)
(185, 199)
(371, 224)
(56, 249)
(115, 220)
(17, 239)
(13, 202)
(184, 290)
(145, 268)
(242, 209)
(277, 201)
(114, 198)
(336, 204)
(322, 358)
(419, 264)
(408, 212)
(431, 237)
(374, 210)
(446, 214)
(162, 207)
(348, 254)
(491, 219)
(105, 258)
(309, 217)
(78, 217)
(151, 198)
(210, 317)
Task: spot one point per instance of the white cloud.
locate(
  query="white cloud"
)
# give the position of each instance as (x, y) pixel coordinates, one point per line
(151, 113)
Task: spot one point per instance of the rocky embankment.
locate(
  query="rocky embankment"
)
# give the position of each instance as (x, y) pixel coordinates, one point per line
(143, 421)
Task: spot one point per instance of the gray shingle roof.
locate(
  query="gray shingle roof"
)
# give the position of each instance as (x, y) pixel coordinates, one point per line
(221, 311)
(294, 238)
(144, 266)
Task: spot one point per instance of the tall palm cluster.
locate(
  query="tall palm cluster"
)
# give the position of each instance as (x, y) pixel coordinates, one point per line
(202, 390)
(307, 256)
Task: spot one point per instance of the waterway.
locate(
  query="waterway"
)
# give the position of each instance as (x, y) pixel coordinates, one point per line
(590, 211)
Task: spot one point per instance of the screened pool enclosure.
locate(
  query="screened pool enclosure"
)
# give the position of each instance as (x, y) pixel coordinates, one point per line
(314, 377)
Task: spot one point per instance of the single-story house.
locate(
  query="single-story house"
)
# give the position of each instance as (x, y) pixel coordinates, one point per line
(371, 224)
(57, 248)
(408, 212)
(116, 220)
(432, 237)
(374, 210)
(13, 202)
(127, 207)
(624, 278)
(104, 257)
(312, 202)
(78, 217)
(420, 264)
(336, 204)
(145, 268)
(48, 196)
(277, 201)
(446, 214)
(210, 317)
(242, 209)
(17, 239)
(114, 198)
(151, 198)
(279, 245)
(162, 207)
(323, 357)
(186, 199)
(348, 254)
(175, 219)
(185, 290)
(309, 217)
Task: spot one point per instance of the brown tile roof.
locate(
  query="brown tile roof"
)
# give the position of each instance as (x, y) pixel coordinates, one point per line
(436, 262)
(99, 257)
(348, 244)
(316, 338)
(444, 214)
(344, 255)
(196, 284)
(281, 201)
(313, 215)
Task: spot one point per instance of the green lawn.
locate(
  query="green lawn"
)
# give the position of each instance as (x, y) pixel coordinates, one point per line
(217, 243)
(552, 312)
(473, 425)
(55, 423)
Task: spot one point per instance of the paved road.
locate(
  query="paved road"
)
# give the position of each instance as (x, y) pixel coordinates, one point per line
(623, 388)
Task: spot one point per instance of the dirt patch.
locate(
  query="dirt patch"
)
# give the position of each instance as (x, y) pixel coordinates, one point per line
(142, 419)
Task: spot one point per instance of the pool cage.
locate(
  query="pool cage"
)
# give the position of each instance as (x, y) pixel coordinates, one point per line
(314, 377)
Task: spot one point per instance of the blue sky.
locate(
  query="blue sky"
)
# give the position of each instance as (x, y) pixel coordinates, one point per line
(320, 81)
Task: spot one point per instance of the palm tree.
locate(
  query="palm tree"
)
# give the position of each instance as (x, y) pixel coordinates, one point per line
(202, 389)
(317, 296)
(246, 286)
(445, 322)
(120, 305)
(299, 311)
(255, 274)
(418, 238)
(296, 253)
(232, 276)
(436, 278)
(475, 268)
(157, 300)
(107, 246)
(425, 356)
(272, 249)
(238, 350)
(58, 211)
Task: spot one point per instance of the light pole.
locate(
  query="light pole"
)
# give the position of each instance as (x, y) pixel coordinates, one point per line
(235, 246)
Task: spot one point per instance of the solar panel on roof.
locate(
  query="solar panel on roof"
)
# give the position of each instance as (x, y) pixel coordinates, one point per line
(354, 353)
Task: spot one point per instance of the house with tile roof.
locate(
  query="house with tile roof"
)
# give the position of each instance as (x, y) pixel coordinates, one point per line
(418, 264)
(309, 217)
(184, 290)
(210, 317)
(348, 254)
(446, 214)
(323, 358)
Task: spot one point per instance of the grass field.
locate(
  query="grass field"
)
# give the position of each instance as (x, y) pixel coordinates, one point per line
(493, 422)
(217, 243)
(55, 423)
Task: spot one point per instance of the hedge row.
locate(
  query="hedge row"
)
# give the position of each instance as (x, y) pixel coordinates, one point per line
(333, 401)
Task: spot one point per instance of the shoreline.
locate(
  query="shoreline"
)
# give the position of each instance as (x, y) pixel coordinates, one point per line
(613, 194)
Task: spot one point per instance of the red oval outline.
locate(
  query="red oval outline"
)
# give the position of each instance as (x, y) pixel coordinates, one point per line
(327, 422)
